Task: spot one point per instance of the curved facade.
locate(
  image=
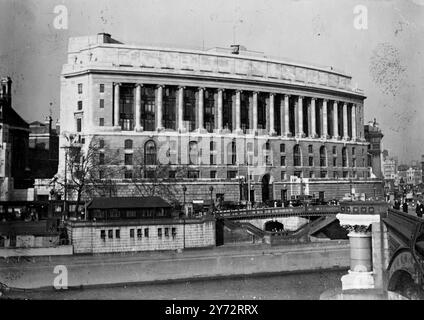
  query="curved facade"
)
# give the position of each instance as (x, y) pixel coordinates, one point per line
(223, 118)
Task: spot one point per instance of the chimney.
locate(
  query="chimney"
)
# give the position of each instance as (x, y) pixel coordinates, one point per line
(103, 37)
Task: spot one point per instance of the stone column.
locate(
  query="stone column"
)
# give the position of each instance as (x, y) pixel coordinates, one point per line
(116, 106)
(324, 128)
(353, 122)
(220, 117)
(360, 275)
(201, 109)
(138, 126)
(313, 128)
(335, 121)
(180, 108)
(287, 132)
(159, 107)
(271, 114)
(345, 124)
(238, 101)
(300, 116)
(255, 111)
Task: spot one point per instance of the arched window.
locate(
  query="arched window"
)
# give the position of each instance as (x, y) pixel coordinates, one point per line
(150, 153)
(297, 159)
(128, 144)
(193, 153)
(344, 157)
(322, 157)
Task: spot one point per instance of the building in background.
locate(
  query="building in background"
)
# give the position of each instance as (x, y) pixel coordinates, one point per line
(374, 136)
(242, 126)
(15, 179)
(44, 149)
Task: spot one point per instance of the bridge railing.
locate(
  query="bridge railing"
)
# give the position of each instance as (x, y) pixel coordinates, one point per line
(293, 211)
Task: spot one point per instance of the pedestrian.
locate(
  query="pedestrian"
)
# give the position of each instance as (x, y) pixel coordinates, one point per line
(405, 207)
(396, 205)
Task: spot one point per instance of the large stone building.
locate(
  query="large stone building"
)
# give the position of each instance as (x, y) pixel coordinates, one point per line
(230, 119)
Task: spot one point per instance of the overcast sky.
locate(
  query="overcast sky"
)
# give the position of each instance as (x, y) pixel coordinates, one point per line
(385, 60)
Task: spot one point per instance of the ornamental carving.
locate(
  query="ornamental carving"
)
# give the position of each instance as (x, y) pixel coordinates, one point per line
(357, 228)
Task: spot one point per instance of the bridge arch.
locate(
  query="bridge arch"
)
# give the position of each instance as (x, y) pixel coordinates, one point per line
(273, 225)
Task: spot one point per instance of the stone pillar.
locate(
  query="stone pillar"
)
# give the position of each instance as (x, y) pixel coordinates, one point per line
(324, 128)
(159, 107)
(201, 110)
(255, 111)
(335, 121)
(313, 129)
(238, 101)
(353, 122)
(220, 117)
(287, 132)
(360, 275)
(345, 124)
(271, 114)
(300, 116)
(116, 105)
(180, 108)
(138, 126)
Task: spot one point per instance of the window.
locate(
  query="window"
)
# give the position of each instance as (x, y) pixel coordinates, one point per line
(311, 174)
(150, 153)
(231, 174)
(232, 153)
(101, 122)
(311, 161)
(213, 174)
(334, 162)
(79, 88)
(167, 232)
(131, 233)
(117, 233)
(174, 232)
(310, 149)
(102, 103)
(79, 105)
(322, 157)
(283, 160)
(150, 174)
(128, 174)
(146, 232)
(193, 153)
(171, 174)
(283, 175)
(345, 174)
(344, 157)
(323, 174)
(110, 234)
(296, 155)
(101, 143)
(131, 213)
(335, 175)
(212, 146)
(193, 174)
(159, 232)
(114, 213)
(334, 150)
(298, 174)
(128, 144)
(128, 159)
(139, 233)
(79, 125)
(103, 234)
(353, 151)
(354, 162)
(102, 88)
(282, 147)
(101, 174)
(101, 158)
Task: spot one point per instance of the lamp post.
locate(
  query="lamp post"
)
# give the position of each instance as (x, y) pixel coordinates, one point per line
(184, 203)
(212, 204)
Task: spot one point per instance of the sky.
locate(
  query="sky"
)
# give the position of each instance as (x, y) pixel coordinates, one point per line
(383, 54)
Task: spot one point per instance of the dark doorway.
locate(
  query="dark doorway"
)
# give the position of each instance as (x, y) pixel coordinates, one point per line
(265, 188)
(284, 195)
(321, 196)
(274, 226)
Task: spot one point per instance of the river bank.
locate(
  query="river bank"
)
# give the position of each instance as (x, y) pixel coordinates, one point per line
(153, 267)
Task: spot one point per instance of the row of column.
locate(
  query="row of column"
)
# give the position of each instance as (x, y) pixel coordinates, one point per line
(284, 112)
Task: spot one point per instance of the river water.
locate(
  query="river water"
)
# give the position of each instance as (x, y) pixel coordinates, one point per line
(299, 286)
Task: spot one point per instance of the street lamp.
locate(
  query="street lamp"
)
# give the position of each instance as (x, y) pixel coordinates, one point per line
(184, 203)
(212, 204)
